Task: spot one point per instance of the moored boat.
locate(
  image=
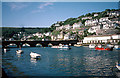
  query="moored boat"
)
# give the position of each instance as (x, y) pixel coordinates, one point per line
(118, 66)
(61, 46)
(19, 51)
(117, 47)
(78, 44)
(6, 49)
(92, 46)
(35, 55)
(97, 48)
(99, 45)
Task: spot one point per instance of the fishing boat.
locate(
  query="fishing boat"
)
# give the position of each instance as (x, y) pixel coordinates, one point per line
(118, 66)
(97, 48)
(35, 55)
(117, 47)
(92, 46)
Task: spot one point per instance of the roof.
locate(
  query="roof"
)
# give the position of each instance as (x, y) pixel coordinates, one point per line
(102, 35)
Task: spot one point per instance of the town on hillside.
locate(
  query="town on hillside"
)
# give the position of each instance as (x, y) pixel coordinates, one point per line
(93, 27)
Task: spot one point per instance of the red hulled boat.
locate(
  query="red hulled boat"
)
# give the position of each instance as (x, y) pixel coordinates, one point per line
(97, 48)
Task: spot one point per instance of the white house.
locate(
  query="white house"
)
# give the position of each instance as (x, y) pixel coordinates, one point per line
(81, 32)
(47, 34)
(67, 36)
(53, 37)
(95, 15)
(77, 25)
(38, 34)
(104, 19)
(60, 36)
(67, 27)
(93, 29)
(100, 39)
(59, 27)
(84, 18)
(114, 13)
(92, 22)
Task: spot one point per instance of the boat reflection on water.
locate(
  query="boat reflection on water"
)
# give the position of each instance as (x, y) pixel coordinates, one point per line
(18, 55)
(33, 61)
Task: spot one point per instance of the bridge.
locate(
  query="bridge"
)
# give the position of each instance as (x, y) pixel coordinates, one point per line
(34, 43)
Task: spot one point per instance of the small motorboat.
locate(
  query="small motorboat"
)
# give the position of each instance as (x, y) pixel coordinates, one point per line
(117, 47)
(78, 44)
(97, 48)
(118, 66)
(35, 55)
(49, 45)
(92, 46)
(61, 46)
(99, 45)
(6, 49)
(19, 51)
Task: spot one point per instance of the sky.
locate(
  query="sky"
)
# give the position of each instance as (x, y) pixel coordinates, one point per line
(44, 14)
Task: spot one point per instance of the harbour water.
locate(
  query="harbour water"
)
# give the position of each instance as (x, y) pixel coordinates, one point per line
(78, 61)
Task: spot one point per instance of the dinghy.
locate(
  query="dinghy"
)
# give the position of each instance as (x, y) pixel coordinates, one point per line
(35, 55)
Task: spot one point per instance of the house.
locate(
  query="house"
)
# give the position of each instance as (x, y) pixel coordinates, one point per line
(95, 15)
(77, 25)
(104, 19)
(67, 27)
(59, 27)
(84, 18)
(60, 36)
(81, 32)
(101, 38)
(67, 36)
(53, 37)
(93, 29)
(108, 25)
(47, 34)
(72, 37)
(38, 34)
(91, 22)
(114, 13)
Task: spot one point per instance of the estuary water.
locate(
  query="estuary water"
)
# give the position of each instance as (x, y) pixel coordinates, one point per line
(78, 61)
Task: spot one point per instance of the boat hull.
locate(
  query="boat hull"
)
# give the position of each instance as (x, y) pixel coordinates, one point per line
(35, 55)
(97, 48)
(118, 67)
(19, 51)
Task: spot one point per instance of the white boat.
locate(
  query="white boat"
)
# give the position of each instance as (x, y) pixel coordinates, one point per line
(109, 45)
(117, 47)
(118, 66)
(34, 55)
(92, 46)
(61, 46)
(19, 51)
(6, 49)
(26, 45)
(49, 44)
(99, 45)
(78, 44)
